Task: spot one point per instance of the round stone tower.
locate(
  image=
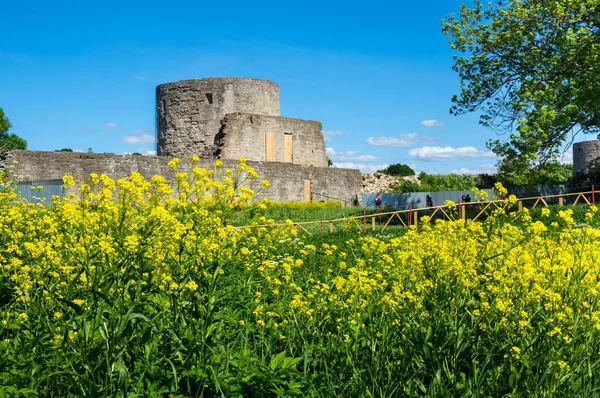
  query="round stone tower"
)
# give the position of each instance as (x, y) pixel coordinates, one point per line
(189, 112)
(584, 153)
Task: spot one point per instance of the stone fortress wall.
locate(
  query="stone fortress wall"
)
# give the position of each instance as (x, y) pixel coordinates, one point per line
(189, 112)
(287, 180)
(584, 153)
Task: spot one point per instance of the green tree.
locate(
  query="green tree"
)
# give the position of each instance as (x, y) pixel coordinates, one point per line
(552, 172)
(398, 170)
(63, 150)
(436, 183)
(531, 68)
(9, 141)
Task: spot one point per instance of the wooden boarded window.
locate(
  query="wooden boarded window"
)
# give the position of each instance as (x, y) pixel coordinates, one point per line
(287, 148)
(307, 190)
(270, 147)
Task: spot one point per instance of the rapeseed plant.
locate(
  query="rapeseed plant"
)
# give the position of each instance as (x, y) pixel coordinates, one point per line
(136, 287)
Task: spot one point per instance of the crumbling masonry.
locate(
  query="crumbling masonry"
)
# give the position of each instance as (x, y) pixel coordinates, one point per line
(217, 118)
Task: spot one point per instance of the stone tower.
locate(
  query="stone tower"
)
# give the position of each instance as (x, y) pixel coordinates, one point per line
(189, 112)
(584, 153)
(229, 117)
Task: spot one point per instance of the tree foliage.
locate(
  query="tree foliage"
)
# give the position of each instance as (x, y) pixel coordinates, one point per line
(531, 68)
(587, 178)
(436, 183)
(514, 173)
(9, 141)
(398, 170)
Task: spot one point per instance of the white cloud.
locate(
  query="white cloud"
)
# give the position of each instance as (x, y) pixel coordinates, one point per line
(348, 156)
(487, 168)
(401, 141)
(145, 151)
(139, 137)
(432, 123)
(364, 168)
(441, 154)
(566, 157)
(329, 134)
(110, 126)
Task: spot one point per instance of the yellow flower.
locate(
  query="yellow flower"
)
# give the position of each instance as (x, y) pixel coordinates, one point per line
(68, 180)
(516, 352)
(191, 285)
(561, 364)
(500, 189)
(450, 204)
(173, 163)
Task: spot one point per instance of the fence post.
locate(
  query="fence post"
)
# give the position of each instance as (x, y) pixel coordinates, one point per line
(365, 219)
(520, 205)
(416, 218)
(330, 226)
(373, 223)
(410, 214)
(561, 201)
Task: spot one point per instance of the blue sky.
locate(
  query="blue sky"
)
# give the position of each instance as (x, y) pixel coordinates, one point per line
(377, 75)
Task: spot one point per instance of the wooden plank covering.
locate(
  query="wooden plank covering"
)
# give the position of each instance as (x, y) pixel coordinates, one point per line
(287, 148)
(269, 147)
(307, 190)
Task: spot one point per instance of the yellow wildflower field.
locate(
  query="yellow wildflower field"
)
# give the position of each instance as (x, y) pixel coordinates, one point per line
(133, 288)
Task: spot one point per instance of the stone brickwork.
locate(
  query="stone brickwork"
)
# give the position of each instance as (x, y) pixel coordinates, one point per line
(244, 135)
(189, 112)
(383, 183)
(229, 117)
(287, 180)
(584, 153)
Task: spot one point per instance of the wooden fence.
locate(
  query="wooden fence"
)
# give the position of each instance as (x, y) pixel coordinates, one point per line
(412, 216)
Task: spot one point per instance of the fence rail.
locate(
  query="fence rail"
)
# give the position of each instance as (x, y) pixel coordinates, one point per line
(412, 216)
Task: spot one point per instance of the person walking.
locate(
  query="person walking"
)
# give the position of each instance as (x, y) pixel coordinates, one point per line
(377, 201)
(429, 201)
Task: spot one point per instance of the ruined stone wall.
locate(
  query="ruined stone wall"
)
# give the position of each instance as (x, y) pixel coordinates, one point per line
(189, 112)
(584, 153)
(245, 135)
(287, 180)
